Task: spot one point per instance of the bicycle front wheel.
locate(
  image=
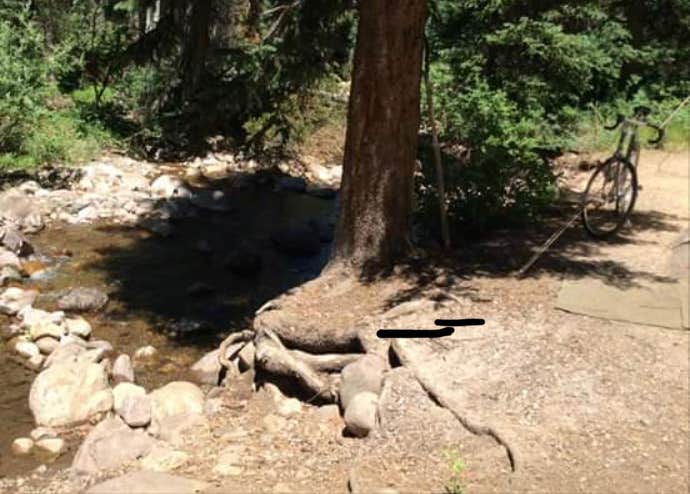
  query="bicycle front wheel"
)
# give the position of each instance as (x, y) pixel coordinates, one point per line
(609, 198)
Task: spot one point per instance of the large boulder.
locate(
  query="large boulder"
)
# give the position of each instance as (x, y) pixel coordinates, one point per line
(110, 445)
(175, 398)
(364, 374)
(132, 404)
(15, 299)
(148, 482)
(69, 392)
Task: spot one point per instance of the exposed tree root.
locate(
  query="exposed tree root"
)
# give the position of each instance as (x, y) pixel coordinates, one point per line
(272, 356)
(433, 391)
(242, 337)
(329, 362)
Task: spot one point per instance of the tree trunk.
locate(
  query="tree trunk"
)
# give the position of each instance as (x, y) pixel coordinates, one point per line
(381, 140)
(196, 46)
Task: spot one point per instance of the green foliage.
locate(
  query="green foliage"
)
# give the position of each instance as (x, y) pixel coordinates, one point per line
(517, 82)
(456, 483)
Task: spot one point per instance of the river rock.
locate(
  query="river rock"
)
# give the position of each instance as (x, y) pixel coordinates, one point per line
(68, 393)
(83, 300)
(43, 433)
(31, 316)
(14, 299)
(35, 362)
(26, 349)
(52, 446)
(47, 344)
(22, 446)
(8, 258)
(175, 398)
(132, 404)
(364, 374)
(122, 370)
(109, 445)
(148, 482)
(64, 353)
(145, 353)
(8, 274)
(45, 328)
(207, 369)
(297, 239)
(15, 242)
(168, 187)
(360, 414)
(78, 326)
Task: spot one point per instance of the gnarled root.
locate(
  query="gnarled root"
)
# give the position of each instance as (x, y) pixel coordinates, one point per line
(242, 337)
(437, 396)
(272, 356)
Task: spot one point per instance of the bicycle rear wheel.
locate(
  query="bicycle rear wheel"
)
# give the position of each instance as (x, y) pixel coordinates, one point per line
(609, 198)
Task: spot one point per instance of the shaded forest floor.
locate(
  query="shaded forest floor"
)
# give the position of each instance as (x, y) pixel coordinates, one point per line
(590, 405)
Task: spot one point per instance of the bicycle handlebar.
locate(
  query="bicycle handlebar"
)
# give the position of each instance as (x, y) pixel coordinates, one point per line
(660, 134)
(619, 120)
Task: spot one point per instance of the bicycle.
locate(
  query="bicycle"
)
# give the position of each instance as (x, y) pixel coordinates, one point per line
(606, 206)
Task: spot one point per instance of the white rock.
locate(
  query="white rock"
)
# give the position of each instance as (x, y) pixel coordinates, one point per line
(8, 258)
(175, 398)
(47, 344)
(22, 446)
(27, 349)
(289, 407)
(124, 390)
(167, 186)
(145, 353)
(67, 393)
(35, 363)
(360, 415)
(45, 328)
(54, 446)
(43, 433)
(122, 370)
(78, 326)
(14, 299)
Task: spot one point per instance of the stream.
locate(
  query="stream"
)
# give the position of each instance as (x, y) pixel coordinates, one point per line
(173, 293)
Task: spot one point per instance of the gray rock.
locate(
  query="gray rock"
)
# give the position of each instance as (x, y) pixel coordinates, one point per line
(14, 299)
(68, 393)
(122, 370)
(360, 414)
(15, 242)
(148, 482)
(365, 374)
(83, 300)
(207, 369)
(110, 445)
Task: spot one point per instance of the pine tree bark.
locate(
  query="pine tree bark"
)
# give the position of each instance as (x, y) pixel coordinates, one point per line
(381, 139)
(196, 46)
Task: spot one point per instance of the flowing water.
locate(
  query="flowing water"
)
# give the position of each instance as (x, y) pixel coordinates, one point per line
(148, 279)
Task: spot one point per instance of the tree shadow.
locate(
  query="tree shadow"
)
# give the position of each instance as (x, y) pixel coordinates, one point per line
(215, 268)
